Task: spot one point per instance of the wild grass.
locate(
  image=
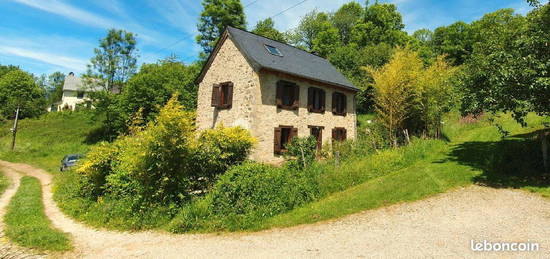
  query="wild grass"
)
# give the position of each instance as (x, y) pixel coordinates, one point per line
(44, 141)
(26, 223)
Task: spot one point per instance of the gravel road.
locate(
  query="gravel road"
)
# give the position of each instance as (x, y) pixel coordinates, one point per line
(440, 226)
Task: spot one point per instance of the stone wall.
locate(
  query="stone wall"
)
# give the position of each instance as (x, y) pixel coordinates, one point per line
(228, 65)
(267, 116)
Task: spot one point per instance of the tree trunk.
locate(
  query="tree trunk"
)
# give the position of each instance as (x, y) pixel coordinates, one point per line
(14, 130)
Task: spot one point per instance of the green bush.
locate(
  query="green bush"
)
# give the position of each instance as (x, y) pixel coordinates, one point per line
(162, 164)
(301, 152)
(245, 195)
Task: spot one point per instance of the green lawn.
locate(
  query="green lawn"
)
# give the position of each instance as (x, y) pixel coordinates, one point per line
(45, 141)
(26, 223)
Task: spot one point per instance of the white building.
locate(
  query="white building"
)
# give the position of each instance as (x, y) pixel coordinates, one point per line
(74, 93)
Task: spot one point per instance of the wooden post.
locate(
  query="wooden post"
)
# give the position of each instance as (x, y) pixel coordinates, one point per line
(544, 150)
(406, 133)
(14, 130)
(337, 158)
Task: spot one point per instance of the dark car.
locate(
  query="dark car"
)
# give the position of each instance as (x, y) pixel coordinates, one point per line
(69, 161)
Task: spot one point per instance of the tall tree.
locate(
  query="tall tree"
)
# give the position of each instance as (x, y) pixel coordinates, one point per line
(6, 69)
(115, 60)
(19, 89)
(454, 41)
(310, 26)
(382, 23)
(327, 40)
(216, 15)
(346, 18)
(267, 29)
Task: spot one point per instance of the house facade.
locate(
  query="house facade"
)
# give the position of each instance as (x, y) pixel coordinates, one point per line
(276, 91)
(74, 93)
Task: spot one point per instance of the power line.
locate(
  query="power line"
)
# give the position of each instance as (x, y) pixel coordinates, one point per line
(251, 3)
(279, 13)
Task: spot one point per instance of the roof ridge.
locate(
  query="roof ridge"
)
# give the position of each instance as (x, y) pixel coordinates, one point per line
(278, 42)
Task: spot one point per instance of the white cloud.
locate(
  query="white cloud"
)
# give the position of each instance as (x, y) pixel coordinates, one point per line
(179, 14)
(73, 64)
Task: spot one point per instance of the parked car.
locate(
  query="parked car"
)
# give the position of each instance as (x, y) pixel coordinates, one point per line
(69, 161)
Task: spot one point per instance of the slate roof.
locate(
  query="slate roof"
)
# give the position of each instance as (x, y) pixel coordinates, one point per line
(293, 61)
(74, 83)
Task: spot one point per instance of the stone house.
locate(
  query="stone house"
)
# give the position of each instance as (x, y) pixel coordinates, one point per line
(276, 91)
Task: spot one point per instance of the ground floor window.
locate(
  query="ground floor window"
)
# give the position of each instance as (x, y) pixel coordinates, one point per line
(317, 133)
(283, 136)
(339, 134)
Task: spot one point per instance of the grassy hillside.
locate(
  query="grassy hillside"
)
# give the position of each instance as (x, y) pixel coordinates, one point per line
(44, 141)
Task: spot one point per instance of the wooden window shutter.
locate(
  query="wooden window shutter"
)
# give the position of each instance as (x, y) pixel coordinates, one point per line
(216, 95)
(310, 98)
(279, 95)
(344, 104)
(334, 102)
(293, 133)
(320, 140)
(229, 94)
(296, 103)
(277, 141)
(334, 134)
(344, 133)
(323, 101)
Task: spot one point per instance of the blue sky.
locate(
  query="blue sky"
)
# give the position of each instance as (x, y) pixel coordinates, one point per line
(43, 36)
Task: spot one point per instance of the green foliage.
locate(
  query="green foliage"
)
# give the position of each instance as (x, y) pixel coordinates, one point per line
(508, 70)
(409, 96)
(327, 40)
(6, 69)
(216, 15)
(115, 60)
(454, 41)
(309, 28)
(345, 18)
(245, 195)
(267, 29)
(301, 152)
(26, 223)
(382, 23)
(18, 88)
(162, 165)
(4, 183)
(150, 89)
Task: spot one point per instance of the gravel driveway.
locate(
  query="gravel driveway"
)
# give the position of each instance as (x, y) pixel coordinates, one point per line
(440, 226)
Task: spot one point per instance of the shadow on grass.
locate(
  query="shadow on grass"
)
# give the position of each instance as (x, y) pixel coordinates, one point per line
(515, 161)
(99, 134)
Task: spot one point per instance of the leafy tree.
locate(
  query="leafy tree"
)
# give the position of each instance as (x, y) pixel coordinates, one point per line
(53, 85)
(346, 18)
(509, 67)
(18, 88)
(327, 40)
(6, 69)
(267, 29)
(310, 26)
(216, 15)
(115, 60)
(382, 23)
(151, 88)
(454, 41)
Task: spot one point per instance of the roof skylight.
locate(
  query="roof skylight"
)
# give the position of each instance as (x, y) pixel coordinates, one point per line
(273, 50)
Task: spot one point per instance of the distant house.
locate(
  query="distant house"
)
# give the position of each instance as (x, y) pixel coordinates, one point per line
(74, 93)
(276, 91)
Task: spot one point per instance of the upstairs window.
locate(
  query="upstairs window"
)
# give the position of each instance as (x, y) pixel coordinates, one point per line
(80, 94)
(222, 95)
(288, 95)
(316, 100)
(339, 104)
(283, 136)
(273, 50)
(339, 134)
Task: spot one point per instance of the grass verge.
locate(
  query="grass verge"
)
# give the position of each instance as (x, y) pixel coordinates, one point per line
(4, 182)
(26, 223)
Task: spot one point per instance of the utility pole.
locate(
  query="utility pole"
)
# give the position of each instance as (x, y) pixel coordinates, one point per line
(14, 130)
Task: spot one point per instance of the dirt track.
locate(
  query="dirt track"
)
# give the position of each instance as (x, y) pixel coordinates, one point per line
(439, 226)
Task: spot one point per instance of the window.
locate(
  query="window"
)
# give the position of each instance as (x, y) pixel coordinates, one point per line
(288, 95)
(339, 104)
(339, 134)
(316, 100)
(80, 94)
(273, 50)
(317, 133)
(283, 136)
(222, 95)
